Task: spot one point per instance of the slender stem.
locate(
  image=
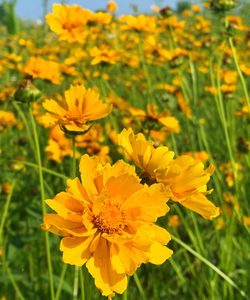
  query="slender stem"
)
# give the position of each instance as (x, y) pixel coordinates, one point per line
(6, 208)
(77, 269)
(82, 284)
(145, 69)
(224, 123)
(39, 163)
(240, 73)
(22, 115)
(74, 157)
(16, 288)
(30, 164)
(76, 281)
(208, 263)
(174, 143)
(139, 286)
(59, 289)
(125, 295)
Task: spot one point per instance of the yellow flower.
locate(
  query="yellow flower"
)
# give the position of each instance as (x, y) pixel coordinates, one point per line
(142, 152)
(139, 23)
(187, 180)
(6, 188)
(184, 176)
(174, 221)
(112, 6)
(58, 146)
(155, 8)
(106, 221)
(196, 8)
(79, 107)
(103, 55)
(201, 155)
(69, 22)
(7, 118)
(37, 67)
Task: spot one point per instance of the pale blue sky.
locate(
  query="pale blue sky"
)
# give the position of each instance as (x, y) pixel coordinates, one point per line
(33, 9)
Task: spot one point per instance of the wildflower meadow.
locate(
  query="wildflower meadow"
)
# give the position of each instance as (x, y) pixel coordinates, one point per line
(124, 152)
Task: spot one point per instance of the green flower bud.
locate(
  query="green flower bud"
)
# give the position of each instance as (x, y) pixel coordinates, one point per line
(27, 92)
(223, 5)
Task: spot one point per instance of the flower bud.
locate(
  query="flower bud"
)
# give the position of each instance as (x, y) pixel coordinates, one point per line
(27, 92)
(223, 5)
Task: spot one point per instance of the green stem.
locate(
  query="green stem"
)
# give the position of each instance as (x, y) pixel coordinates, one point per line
(82, 284)
(77, 269)
(39, 163)
(59, 289)
(6, 208)
(29, 164)
(22, 115)
(145, 69)
(15, 286)
(243, 83)
(139, 286)
(209, 264)
(74, 157)
(224, 123)
(76, 281)
(174, 143)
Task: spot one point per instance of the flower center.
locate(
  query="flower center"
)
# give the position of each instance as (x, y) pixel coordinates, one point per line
(111, 220)
(74, 115)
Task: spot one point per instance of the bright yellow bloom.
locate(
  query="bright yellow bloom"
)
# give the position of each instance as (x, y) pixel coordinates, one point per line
(37, 67)
(7, 118)
(112, 6)
(139, 23)
(79, 107)
(187, 180)
(106, 221)
(143, 153)
(69, 22)
(184, 176)
(104, 55)
(6, 188)
(174, 221)
(58, 145)
(155, 8)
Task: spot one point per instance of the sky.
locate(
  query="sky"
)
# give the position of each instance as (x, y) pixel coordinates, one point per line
(33, 9)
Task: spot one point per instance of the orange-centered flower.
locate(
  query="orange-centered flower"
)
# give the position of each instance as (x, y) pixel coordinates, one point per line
(69, 22)
(107, 222)
(79, 107)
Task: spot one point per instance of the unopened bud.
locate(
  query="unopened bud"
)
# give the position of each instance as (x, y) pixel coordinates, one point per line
(27, 92)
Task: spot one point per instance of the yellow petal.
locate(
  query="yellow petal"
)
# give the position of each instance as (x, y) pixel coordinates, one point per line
(200, 204)
(75, 250)
(159, 253)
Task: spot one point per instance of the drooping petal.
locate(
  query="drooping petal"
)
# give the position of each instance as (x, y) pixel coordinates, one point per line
(200, 204)
(106, 278)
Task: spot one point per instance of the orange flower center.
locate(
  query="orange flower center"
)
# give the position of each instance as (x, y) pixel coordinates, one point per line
(74, 115)
(111, 220)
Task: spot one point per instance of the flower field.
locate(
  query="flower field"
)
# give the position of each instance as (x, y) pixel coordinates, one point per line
(124, 153)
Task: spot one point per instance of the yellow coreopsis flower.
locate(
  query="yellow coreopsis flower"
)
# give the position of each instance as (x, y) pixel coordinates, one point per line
(139, 23)
(37, 67)
(112, 6)
(7, 118)
(184, 176)
(143, 153)
(69, 22)
(106, 221)
(58, 145)
(79, 107)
